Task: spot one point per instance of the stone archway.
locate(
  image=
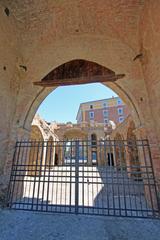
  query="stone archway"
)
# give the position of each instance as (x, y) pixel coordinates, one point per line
(59, 72)
(124, 94)
(44, 92)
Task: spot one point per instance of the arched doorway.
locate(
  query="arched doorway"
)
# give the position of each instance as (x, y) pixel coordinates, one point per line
(78, 170)
(80, 71)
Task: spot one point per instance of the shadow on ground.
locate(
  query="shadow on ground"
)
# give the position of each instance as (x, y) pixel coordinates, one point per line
(21, 225)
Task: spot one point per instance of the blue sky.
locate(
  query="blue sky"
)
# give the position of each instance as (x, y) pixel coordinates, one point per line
(62, 104)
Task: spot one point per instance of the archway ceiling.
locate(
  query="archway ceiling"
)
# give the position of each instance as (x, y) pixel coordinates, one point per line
(37, 16)
(78, 72)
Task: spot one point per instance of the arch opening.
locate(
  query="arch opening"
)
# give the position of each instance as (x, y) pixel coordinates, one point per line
(77, 152)
(79, 71)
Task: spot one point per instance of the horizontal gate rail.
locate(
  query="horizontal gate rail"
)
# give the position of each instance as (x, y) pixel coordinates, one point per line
(105, 177)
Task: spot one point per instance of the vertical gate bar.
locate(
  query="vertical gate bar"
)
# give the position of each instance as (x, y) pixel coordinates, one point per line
(129, 184)
(19, 175)
(122, 175)
(28, 181)
(11, 181)
(76, 176)
(117, 179)
(39, 179)
(148, 176)
(60, 178)
(137, 146)
(83, 168)
(155, 186)
(107, 172)
(112, 177)
(70, 177)
(63, 178)
(88, 172)
(49, 172)
(86, 177)
(46, 146)
(133, 186)
(23, 182)
(15, 170)
(34, 185)
(98, 186)
(102, 148)
(144, 170)
(99, 179)
(17, 178)
(56, 181)
(91, 176)
(52, 176)
(65, 172)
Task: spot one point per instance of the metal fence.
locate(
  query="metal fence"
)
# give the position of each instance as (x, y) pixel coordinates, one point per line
(84, 177)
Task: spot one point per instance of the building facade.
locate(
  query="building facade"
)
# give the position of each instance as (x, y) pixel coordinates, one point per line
(103, 111)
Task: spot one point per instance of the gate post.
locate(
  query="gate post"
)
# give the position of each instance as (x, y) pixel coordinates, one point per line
(76, 175)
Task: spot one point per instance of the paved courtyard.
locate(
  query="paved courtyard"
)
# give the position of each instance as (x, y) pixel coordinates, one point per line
(20, 225)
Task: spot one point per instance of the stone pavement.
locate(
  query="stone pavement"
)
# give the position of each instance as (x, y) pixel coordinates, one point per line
(20, 225)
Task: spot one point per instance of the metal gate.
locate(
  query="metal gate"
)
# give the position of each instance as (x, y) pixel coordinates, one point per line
(84, 177)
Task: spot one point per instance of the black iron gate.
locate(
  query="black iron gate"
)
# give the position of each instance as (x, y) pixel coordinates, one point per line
(103, 178)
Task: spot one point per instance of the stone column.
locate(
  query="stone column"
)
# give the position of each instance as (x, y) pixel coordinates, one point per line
(149, 156)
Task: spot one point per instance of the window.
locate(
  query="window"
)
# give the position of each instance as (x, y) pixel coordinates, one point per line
(106, 120)
(104, 104)
(121, 119)
(119, 101)
(93, 139)
(91, 106)
(120, 111)
(105, 113)
(91, 115)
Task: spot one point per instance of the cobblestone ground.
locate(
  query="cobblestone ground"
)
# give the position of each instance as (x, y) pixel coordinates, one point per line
(20, 225)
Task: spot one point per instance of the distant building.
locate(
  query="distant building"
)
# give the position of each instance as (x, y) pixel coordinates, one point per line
(103, 111)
